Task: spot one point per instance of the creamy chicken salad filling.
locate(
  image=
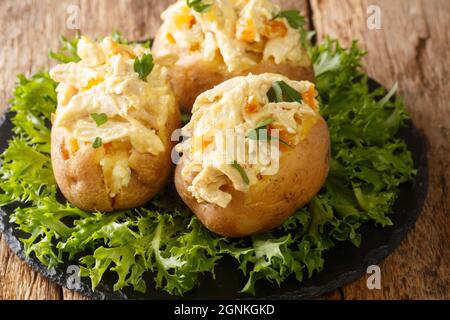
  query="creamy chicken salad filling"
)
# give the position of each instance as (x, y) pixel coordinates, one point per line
(256, 111)
(104, 103)
(239, 33)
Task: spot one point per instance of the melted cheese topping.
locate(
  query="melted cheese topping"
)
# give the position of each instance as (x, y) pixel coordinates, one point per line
(237, 33)
(235, 108)
(104, 82)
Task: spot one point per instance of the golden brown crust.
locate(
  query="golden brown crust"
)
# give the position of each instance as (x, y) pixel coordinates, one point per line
(271, 201)
(80, 177)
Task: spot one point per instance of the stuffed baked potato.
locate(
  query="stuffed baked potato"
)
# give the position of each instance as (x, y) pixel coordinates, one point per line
(110, 139)
(227, 39)
(233, 192)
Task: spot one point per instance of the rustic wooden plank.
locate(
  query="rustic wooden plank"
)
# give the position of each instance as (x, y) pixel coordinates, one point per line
(333, 295)
(72, 295)
(18, 281)
(413, 48)
(29, 29)
(136, 20)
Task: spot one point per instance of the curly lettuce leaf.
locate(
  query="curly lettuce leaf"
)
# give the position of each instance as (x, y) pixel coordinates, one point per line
(26, 173)
(68, 51)
(271, 259)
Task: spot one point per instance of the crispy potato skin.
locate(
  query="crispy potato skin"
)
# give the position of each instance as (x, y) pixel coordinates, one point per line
(270, 202)
(194, 76)
(80, 178)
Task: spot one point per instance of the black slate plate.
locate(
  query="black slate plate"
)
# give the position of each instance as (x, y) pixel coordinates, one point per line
(343, 264)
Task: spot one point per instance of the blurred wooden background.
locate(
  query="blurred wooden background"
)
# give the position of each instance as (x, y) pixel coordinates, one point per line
(412, 47)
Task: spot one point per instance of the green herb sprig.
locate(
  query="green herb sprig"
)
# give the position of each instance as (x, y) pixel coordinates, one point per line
(98, 142)
(117, 37)
(241, 171)
(144, 66)
(298, 22)
(99, 118)
(255, 133)
(68, 51)
(198, 5)
(293, 17)
(282, 92)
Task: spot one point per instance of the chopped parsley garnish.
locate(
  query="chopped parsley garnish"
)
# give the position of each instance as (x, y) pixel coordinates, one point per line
(68, 51)
(117, 37)
(99, 118)
(198, 5)
(264, 123)
(97, 143)
(255, 133)
(144, 66)
(293, 17)
(282, 92)
(241, 171)
(297, 21)
(185, 118)
(275, 94)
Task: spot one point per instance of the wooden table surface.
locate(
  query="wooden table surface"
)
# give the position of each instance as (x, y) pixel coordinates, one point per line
(412, 47)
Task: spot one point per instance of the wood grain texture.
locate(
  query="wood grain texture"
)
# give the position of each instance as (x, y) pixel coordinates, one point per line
(72, 295)
(29, 29)
(413, 48)
(18, 281)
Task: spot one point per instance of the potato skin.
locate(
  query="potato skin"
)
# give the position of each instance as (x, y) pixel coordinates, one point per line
(271, 201)
(80, 178)
(192, 77)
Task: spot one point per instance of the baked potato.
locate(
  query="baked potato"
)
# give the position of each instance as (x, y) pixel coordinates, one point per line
(228, 39)
(235, 197)
(110, 137)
